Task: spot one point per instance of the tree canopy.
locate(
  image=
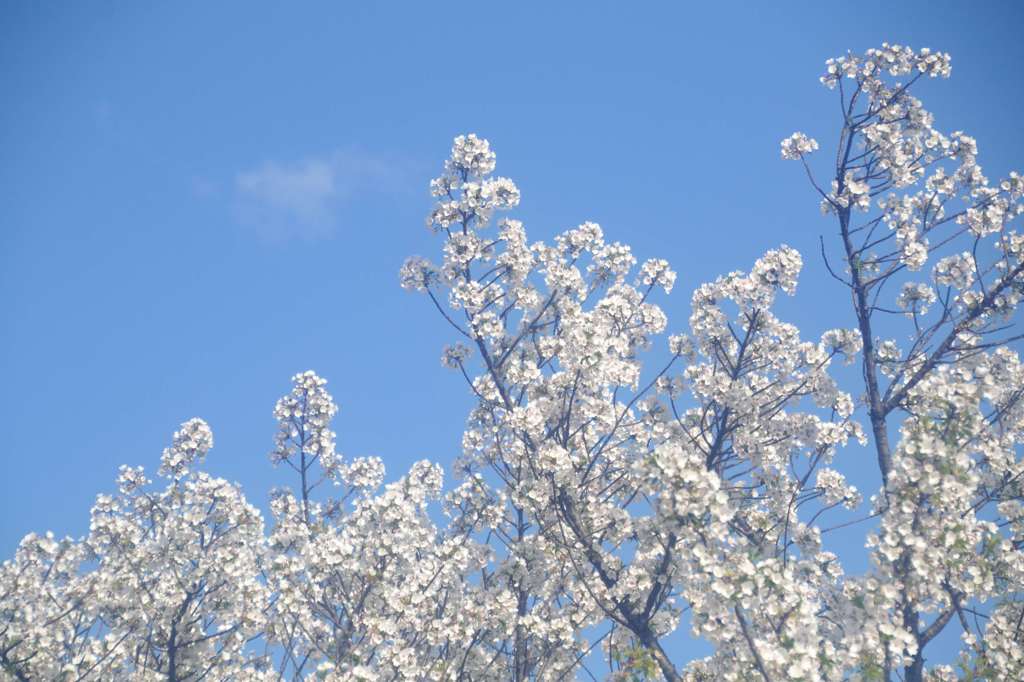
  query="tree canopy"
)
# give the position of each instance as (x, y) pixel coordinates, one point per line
(614, 480)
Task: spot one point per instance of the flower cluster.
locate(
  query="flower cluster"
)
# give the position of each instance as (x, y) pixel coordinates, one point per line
(189, 447)
(304, 418)
(796, 145)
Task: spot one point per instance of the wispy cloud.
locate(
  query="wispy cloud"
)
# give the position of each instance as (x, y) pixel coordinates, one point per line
(305, 198)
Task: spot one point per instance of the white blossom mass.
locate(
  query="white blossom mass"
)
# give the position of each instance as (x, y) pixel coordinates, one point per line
(599, 498)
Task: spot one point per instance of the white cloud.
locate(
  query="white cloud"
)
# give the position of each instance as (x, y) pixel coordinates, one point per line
(303, 198)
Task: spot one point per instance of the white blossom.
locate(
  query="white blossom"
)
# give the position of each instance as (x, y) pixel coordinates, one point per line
(796, 145)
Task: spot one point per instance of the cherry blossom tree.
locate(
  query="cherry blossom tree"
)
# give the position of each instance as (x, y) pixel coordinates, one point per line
(623, 483)
(904, 194)
(364, 585)
(165, 586)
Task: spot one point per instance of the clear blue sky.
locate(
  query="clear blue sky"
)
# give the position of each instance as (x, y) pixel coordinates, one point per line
(198, 200)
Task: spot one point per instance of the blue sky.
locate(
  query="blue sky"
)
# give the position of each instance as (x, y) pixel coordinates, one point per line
(201, 199)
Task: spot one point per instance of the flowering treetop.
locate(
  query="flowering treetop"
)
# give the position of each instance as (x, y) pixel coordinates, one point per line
(598, 498)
